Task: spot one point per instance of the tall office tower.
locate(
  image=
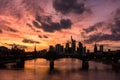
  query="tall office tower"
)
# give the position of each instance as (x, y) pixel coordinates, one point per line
(101, 48)
(67, 47)
(84, 50)
(88, 51)
(58, 48)
(61, 49)
(51, 48)
(80, 48)
(95, 48)
(73, 45)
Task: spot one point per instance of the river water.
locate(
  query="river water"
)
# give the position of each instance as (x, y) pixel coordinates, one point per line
(65, 69)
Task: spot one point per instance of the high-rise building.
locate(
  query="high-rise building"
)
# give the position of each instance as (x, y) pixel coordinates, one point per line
(101, 48)
(84, 50)
(59, 48)
(109, 50)
(51, 48)
(95, 48)
(67, 46)
(73, 45)
(80, 48)
(88, 51)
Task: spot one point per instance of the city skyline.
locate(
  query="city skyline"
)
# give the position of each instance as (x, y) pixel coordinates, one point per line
(71, 46)
(48, 22)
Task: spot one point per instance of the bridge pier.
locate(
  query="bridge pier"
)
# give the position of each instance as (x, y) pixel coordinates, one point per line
(19, 63)
(51, 64)
(85, 65)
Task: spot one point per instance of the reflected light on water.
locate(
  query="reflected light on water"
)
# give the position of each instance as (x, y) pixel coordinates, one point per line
(65, 69)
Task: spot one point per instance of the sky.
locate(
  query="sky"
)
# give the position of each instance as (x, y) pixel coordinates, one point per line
(27, 23)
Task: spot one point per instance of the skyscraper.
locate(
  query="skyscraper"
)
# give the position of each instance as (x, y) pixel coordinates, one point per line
(84, 50)
(67, 47)
(80, 48)
(88, 51)
(51, 48)
(57, 48)
(73, 45)
(95, 48)
(101, 48)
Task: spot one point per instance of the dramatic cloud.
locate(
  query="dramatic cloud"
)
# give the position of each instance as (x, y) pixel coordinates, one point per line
(65, 23)
(118, 47)
(5, 4)
(67, 6)
(48, 25)
(39, 36)
(36, 24)
(0, 31)
(115, 28)
(102, 37)
(117, 13)
(18, 45)
(94, 27)
(10, 7)
(29, 25)
(11, 29)
(32, 6)
(19, 8)
(23, 20)
(114, 36)
(115, 25)
(7, 28)
(45, 36)
(30, 41)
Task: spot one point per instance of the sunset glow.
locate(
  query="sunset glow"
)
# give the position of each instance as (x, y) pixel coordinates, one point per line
(48, 22)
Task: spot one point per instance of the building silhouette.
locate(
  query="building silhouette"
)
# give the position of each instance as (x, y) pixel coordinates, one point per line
(101, 48)
(59, 48)
(35, 51)
(88, 51)
(51, 48)
(95, 48)
(80, 48)
(73, 44)
(84, 50)
(67, 47)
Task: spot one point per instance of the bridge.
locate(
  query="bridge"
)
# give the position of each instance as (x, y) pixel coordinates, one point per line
(18, 56)
(50, 56)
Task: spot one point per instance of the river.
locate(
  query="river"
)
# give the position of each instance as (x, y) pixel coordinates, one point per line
(65, 69)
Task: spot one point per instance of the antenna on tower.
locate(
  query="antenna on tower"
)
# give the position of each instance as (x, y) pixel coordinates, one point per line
(71, 38)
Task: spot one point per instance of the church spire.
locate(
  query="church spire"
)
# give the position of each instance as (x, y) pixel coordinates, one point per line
(71, 38)
(35, 51)
(35, 48)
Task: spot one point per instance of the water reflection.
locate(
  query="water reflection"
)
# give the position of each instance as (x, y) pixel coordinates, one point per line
(65, 69)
